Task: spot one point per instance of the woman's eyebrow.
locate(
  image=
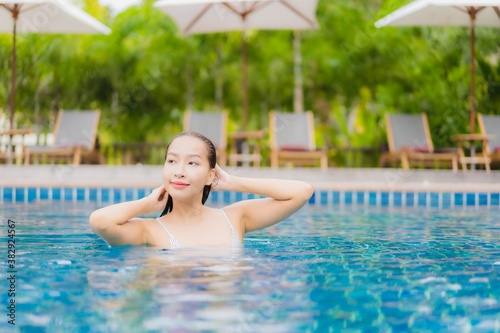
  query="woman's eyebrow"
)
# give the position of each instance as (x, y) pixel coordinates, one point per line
(189, 155)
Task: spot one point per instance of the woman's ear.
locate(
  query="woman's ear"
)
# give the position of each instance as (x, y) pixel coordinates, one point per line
(212, 177)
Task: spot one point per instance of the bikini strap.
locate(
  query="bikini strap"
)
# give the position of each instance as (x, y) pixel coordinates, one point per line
(235, 240)
(173, 242)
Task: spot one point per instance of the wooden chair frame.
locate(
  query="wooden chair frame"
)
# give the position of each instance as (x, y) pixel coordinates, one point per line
(75, 152)
(494, 156)
(408, 156)
(4, 155)
(300, 157)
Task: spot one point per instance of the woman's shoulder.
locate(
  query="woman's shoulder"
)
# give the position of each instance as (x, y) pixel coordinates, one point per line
(235, 210)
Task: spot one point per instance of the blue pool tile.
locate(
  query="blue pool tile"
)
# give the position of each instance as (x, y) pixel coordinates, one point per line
(226, 196)
(495, 199)
(19, 195)
(214, 196)
(434, 197)
(470, 199)
(8, 194)
(142, 192)
(384, 198)
(92, 194)
(348, 198)
(117, 195)
(44, 193)
(410, 199)
(68, 193)
(446, 199)
(323, 197)
(360, 197)
(313, 198)
(56, 193)
(397, 198)
(105, 195)
(32, 194)
(422, 199)
(336, 197)
(129, 194)
(483, 199)
(80, 194)
(372, 198)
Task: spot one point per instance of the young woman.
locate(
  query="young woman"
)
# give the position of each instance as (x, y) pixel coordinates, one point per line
(189, 174)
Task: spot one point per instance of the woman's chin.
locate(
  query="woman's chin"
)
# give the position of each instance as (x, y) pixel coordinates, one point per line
(181, 195)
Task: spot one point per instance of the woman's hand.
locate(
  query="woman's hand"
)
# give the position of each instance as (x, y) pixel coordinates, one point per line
(157, 200)
(222, 179)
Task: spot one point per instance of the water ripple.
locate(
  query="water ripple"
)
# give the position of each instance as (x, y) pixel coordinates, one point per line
(325, 269)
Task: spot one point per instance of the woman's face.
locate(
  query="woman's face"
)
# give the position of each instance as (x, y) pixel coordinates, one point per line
(187, 169)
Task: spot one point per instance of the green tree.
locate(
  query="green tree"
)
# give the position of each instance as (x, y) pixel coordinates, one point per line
(146, 73)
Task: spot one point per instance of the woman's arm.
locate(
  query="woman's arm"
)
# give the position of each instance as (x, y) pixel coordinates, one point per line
(284, 197)
(116, 224)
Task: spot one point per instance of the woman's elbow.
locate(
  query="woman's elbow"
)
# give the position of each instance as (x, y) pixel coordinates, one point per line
(306, 192)
(96, 221)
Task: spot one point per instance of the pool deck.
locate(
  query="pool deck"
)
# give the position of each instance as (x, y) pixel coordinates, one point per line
(147, 176)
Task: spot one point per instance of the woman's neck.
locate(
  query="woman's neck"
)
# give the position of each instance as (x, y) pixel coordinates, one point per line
(187, 211)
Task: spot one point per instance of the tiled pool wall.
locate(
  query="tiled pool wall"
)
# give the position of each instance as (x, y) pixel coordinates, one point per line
(320, 197)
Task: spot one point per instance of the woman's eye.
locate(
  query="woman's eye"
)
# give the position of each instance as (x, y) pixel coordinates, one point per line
(170, 161)
(193, 163)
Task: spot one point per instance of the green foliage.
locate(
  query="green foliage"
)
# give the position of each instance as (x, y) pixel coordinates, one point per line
(146, 73)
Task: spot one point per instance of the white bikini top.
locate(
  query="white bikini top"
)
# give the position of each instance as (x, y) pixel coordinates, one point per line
(174, 243)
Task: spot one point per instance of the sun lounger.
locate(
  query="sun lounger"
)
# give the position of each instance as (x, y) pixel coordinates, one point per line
(292, 137)
(75, 134)
(410, 140)
(490, 125)
(213, 125)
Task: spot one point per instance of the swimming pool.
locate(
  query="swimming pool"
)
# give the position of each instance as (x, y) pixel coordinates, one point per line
(328, 268)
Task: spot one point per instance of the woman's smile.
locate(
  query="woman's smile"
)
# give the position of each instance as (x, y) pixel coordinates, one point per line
(179, 185)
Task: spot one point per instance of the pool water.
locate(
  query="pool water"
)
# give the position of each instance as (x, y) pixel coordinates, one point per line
(326, 269)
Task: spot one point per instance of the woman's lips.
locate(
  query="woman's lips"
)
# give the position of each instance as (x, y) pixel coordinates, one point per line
(179, 185)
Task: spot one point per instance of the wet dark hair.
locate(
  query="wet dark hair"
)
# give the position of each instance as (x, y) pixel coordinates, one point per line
(212, 160)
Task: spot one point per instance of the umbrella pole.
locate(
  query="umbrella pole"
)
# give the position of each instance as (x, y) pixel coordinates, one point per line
(244, 68)
(12, 84)
(472, 86)
(472, 78)
(298, 93)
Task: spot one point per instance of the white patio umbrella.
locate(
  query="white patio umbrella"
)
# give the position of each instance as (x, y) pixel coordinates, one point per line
(468, 13)
(42, 16)
(208, 16)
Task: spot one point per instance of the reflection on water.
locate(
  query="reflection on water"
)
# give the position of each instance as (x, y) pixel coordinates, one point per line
(325, 269)
(183, 291)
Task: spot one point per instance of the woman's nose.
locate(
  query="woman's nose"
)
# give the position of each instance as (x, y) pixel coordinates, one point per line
(179, 170)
